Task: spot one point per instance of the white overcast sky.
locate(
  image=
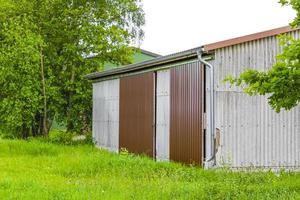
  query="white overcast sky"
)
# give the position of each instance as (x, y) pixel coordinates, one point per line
(177, 25)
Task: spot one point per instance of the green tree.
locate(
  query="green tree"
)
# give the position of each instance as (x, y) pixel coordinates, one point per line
(19, 72)
(282, 81)
(44, 47)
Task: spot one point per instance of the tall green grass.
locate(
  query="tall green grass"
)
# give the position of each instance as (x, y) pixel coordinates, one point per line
(39, 170)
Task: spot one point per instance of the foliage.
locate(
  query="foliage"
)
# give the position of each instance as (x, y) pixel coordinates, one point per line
(282, 81)
(44, 47)
(61, 137)
(295, 4)
(19, 97)
(38, 170)
(87, 140)
(6, 135)
(68, 138)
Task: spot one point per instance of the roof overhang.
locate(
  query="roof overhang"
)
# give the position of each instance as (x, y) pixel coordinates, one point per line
(149, 53)
(185, 55)
(247, 38)
(162, 60)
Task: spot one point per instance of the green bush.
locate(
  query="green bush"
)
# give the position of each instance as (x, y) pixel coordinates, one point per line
(8, 134)
(69, 138)
(61, 137)
(5, 135)
(89, 139)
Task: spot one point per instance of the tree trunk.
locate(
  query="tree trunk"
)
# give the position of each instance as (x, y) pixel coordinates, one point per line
(45, 129)
(34, 131)
(50, 121)
(37, 127)
(70, 125)
(25, 132)
(85, 129)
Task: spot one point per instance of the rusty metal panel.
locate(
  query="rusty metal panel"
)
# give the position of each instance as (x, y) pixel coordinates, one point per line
(252, 134)
(186, 132)
(137, 113)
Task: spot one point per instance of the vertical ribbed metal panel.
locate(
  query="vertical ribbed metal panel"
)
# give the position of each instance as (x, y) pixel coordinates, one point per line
(252, 134)
(106, 114)
(186, 132)
(137, 112)
(163, 115)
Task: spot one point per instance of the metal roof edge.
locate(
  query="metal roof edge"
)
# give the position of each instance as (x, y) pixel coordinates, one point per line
(149, 53)
(248, 38)
(145, 64)
(208, 48)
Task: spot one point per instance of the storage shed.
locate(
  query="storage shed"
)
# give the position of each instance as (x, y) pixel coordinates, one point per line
(177, 108)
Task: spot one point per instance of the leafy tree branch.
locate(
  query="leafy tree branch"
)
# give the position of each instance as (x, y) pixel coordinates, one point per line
(282, 81)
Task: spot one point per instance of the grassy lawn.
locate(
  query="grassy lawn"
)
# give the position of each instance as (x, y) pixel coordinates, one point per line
(37, 170)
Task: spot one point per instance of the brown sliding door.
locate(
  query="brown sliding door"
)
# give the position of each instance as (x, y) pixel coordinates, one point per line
(137, 114)
(186, 131)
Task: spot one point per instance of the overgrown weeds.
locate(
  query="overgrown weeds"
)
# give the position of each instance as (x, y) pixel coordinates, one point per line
(41, 170)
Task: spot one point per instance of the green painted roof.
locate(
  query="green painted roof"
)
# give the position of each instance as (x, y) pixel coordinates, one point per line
(137, 57)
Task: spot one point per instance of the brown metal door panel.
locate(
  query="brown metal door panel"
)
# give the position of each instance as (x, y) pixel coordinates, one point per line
(186, 132)
(137, 113)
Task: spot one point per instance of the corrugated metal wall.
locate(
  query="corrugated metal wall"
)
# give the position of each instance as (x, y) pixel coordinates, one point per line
(186, 131)
(251, 133)
(137, 113)
(106, 114)
(163, 115)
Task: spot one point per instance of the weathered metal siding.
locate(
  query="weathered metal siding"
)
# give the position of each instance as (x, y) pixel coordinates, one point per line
(163, 115)
(186, 131)
(106, 114)
(137, 111)
(252, 134)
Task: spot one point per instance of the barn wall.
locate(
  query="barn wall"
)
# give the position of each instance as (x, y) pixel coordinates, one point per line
(252, 134)
(163, 115)
(106, 114)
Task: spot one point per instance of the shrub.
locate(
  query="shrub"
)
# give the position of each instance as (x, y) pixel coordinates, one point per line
(8, 134)
(89, 139)
(69, 138)
(61, 137)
